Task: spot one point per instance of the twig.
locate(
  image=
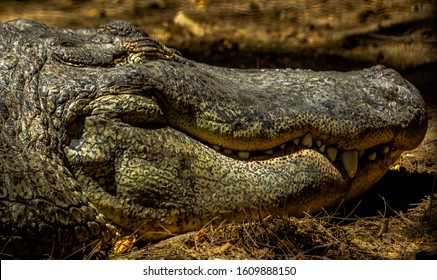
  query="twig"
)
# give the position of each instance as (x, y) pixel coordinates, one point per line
(317, 247)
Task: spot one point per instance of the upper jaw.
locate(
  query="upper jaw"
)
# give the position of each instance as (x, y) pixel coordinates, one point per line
(358, 120)
(258, 110)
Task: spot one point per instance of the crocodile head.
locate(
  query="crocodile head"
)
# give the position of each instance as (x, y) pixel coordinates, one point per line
(161, 144)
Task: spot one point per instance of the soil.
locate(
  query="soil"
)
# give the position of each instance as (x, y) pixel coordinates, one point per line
(397, 219)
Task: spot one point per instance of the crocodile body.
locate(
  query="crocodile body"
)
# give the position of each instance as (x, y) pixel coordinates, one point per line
(108, 129)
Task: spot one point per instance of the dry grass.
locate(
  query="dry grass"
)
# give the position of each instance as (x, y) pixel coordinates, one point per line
(326, 236)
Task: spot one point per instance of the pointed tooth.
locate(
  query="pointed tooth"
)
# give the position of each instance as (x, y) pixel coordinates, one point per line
(282, 146)
(227, 152)
(319, 143)
(307, 140)
(296, 141)
(269, 152)
(371, 156)
(331, 152)
(216, 148)
(322, 148)
(243, 154)
(361, 153)
(350, 162)
(385, 149)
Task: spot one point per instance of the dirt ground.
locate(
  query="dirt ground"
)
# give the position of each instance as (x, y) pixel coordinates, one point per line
(397, 219)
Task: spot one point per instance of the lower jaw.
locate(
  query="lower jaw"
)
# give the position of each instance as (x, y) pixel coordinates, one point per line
(304, 181)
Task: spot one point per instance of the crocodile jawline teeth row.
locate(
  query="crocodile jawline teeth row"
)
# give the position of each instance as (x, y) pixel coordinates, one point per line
(348, 158)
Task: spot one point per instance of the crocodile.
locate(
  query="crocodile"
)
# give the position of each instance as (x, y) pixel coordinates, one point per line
(107, 130)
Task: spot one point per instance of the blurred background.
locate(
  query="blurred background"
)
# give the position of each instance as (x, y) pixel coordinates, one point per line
(318, 34)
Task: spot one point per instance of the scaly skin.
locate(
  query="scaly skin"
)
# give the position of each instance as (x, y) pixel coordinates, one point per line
(107, 127)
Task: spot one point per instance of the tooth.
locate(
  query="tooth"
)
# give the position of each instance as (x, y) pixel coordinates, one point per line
(361, 153)
(372, 156)
(350, 162)
(282, 146)
(269, 152)
(227, 152)
(215, 147)
(319, 143)
(322, 148)
(395, 153)
(307, 140)
(244, 154)
(385, 149)
(296, 141)
(331, 152)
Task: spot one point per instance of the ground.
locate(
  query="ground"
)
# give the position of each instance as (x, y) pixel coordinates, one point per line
(397, 219)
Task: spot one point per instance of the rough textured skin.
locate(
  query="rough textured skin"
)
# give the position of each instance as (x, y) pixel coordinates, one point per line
(109, 127)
